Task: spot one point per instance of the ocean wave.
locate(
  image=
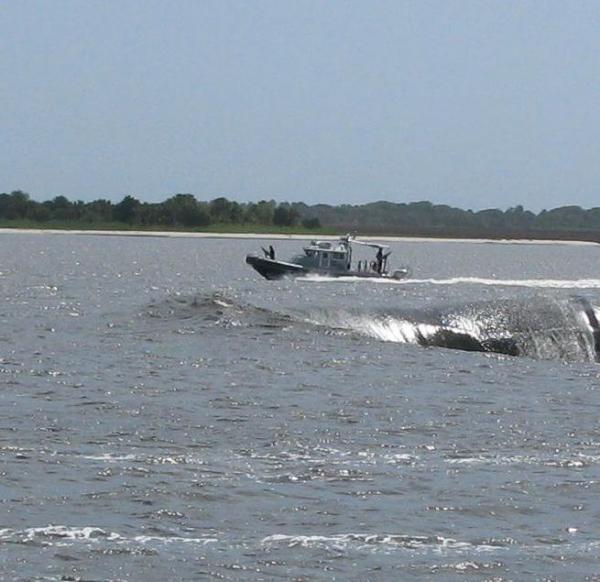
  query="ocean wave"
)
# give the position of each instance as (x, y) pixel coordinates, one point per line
(145, 459)
(540, 328)
(360, 541)
(578, 461)
(61, 534)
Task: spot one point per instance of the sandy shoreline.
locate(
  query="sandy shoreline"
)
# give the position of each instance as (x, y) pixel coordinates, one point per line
(274, 236)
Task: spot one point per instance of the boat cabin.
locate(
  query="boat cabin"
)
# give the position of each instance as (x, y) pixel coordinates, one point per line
(326, 255)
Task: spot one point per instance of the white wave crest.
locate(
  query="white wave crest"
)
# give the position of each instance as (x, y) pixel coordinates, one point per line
(388, 329)
(65, 535)
(531, 283)
(578, 461)
(361, 541)
(145, 459)
(534, 283)
(56, 532)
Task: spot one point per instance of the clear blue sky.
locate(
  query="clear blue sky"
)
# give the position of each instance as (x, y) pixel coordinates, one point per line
(470, 103)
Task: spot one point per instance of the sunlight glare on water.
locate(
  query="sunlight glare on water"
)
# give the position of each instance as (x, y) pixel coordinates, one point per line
(168, 414)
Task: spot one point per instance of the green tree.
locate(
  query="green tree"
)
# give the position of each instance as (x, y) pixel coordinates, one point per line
(183, 209)
(15, 205)
(285, 215)
(265, 211)
(125, 210)
(60, 208)
(220, 210)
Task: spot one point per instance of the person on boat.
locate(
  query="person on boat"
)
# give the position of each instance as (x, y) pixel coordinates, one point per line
(271, 252)
(379, 258)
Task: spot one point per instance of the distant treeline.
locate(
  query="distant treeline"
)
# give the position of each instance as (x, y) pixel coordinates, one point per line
(427, 219)
(416, 218)
(181, 210)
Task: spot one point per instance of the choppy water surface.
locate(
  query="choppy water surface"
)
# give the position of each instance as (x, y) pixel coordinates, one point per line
(166, 414)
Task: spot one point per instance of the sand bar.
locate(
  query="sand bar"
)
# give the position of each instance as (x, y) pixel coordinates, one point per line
(279, 236)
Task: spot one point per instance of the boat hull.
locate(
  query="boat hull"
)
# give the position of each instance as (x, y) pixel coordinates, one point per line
(396, 275)
(272, 269)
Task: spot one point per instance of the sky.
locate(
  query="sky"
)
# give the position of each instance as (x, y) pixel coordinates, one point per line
(475, 104)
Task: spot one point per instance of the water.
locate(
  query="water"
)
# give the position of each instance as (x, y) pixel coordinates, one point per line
(168, 415)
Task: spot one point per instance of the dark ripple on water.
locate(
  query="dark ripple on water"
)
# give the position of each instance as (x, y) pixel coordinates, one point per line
(163, 419)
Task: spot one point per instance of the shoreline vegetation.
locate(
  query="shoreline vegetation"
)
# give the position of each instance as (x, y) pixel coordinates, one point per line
(184, 214)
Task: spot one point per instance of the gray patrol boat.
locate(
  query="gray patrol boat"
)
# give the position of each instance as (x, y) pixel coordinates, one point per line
(332, 258)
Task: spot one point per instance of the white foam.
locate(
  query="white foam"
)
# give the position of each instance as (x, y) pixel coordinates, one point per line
(530, 283)
(464, 566)
(171, 540)
(577, 462)
(109, 457)
(60, 534)
(147, 459)
(364, 541)
(534, 283)
(465, 324)
(335, 457)
(58, 531)
(387, 329)
(393, 330)
(350, 279)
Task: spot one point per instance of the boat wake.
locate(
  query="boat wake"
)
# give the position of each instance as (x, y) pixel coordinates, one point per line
(566, 330)
(529, 283)
(541, 328)
(213, 309)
